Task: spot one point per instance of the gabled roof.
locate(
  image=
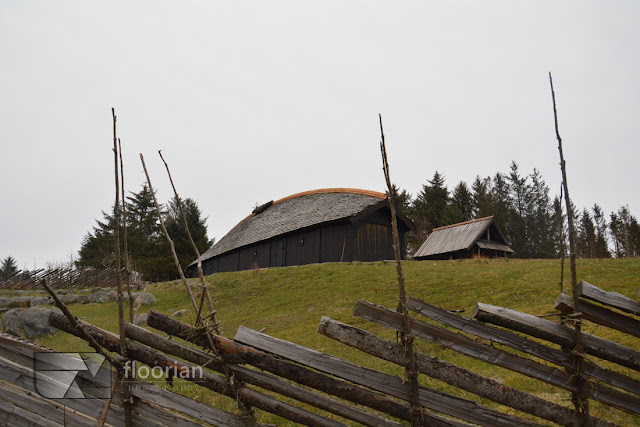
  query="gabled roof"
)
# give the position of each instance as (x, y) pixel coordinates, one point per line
(295, 212)
(460, 236)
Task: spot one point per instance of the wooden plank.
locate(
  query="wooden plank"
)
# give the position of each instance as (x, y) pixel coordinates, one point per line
(444, 371)
(523, 344)
(269, 382)
(612, 299)
(23, 377)
(480, 351)
(556, 333)
(22, 351)
(156, 413)
(600, 315)
(194, 408)
(216, 383)
(454, 406)
(15, 416)
(55, 412)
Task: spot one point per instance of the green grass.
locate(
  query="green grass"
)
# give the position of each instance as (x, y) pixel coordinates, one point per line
(288, 303)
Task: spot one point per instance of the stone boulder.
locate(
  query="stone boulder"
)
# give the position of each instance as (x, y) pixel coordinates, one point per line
(27, 322)
(40, 301)
(141, 319)
(147, 299)
(101, 297)
(14, 302)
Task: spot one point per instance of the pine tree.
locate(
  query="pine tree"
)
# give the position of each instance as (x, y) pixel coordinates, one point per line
(149, 251)
(586, 236)
(600, 223)
(197, 228)
(539, 219)
(559, 229)
(8, 267)
(520, 204)
(482, 199)
(461, 204)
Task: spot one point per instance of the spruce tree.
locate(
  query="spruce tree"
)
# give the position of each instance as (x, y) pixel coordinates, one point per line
(8, 267)
(519, 198)
(461, 205)
(600, 223)
(586, 238)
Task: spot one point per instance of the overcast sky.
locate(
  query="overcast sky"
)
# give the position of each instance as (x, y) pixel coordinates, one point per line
(253, 101)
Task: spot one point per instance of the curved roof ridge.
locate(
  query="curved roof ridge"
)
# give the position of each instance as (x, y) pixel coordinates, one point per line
(321, 191)
(462, 223)
(334, 190)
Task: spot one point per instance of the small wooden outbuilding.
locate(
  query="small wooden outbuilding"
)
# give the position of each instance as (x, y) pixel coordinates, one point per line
(328, 225)
(479, 238)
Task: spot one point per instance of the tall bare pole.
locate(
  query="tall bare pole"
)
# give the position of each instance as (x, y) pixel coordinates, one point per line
(125, 247)
(407, 338)
(116, 239)
(203, 283)
(581, 400)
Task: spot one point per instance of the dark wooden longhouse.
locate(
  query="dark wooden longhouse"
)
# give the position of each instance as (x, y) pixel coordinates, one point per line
(480, 238)
(329, 225)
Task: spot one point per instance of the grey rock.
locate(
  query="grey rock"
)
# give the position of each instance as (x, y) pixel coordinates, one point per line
(180, 313)
(30, 322)
(13, 322)
(100, 297)
(69, 298)
(83, 299)
(36, 322)
(147, 299)
(141, 319)
(15, 302)
(40, 301)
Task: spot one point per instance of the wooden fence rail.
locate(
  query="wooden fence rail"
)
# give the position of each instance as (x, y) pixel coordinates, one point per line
(64, 278)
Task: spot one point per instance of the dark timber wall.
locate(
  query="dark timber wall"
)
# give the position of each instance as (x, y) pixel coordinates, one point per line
(367, 239)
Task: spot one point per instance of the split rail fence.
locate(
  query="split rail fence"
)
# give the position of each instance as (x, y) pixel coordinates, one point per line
(63, 278)
(308, 387)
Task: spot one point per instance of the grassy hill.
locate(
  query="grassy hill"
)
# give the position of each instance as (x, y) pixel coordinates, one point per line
(288, 303)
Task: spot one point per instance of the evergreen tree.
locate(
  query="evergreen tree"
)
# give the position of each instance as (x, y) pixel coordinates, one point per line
(482, 200)
(615, 228)
(539, 219)
(434, 199)
(461, 205)
(500, 207)
(8, 267)
(197, 228)
(600, 223)
(586, 236)
(627, 233)
(149, 252)
(520, 204)
(559, 229)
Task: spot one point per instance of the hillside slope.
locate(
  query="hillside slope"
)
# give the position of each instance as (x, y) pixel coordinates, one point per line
(288, 303)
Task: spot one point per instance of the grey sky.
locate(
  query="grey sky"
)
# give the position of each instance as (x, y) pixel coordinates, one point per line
(253, 101)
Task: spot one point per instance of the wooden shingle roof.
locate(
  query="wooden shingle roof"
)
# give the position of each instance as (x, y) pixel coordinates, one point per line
(293, 213)
(458, 237)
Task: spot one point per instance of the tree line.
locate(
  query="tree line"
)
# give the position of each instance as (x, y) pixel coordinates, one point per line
(531, 220)
(148, 250)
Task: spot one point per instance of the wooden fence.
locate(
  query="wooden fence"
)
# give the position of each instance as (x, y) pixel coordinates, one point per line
(308, 387)
(63, 278)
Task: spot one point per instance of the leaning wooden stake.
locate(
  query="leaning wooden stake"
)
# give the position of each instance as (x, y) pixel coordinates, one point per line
(581, 400)
(203, 283)
(166, 235)
(116, 238)
(407, 338)
(237, 386)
